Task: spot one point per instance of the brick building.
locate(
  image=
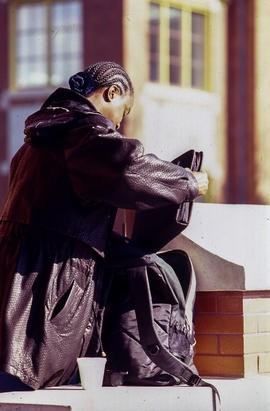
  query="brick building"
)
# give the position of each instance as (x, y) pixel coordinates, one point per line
(174, 52)
(198, 68)
(199, 71)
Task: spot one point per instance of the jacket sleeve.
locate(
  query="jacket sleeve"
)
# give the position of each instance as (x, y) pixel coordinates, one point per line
(105, 166)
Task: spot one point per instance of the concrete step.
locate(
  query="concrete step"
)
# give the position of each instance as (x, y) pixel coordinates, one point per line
(32, 407)
(246, 394)
(111, 399)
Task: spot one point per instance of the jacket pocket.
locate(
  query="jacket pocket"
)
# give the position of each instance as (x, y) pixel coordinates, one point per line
(66, 306)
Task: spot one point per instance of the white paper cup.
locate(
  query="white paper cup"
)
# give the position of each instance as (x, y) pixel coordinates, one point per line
(91, 371)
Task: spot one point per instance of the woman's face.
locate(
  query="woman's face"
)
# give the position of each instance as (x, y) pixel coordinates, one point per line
(112, 104)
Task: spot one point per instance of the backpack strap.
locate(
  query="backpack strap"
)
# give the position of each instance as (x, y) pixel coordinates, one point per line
(149, 339)
(191, 290)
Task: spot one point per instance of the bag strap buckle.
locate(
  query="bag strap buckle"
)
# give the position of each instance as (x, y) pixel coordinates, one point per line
(194, 380)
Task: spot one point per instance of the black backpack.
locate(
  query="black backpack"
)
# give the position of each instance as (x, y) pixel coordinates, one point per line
(148, 330)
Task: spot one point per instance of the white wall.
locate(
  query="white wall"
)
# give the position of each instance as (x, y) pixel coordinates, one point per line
(16, 119)
(238, 233)
(177, 120)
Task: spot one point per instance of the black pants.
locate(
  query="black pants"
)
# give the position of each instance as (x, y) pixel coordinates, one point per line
(10, 383)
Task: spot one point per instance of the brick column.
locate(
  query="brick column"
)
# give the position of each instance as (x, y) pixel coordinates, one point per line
(240, 119)
(103, 31)
(232, 333)
(3, 88)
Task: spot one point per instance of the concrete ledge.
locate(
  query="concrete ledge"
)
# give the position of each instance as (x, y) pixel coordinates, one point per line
(247, 394)
(212, 272)
(111, 399)
(238, 233)
(32, 407)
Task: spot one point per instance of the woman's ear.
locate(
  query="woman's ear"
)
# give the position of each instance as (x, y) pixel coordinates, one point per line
(111, 92)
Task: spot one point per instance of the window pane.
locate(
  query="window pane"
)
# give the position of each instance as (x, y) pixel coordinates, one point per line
(66, 13)
(58, 42)
(31, 16)
(154, 44)
(38, 76)
(154, 33)
(197, 23)
(23, 46)
(66, 42)
(23, 17)
(57, 71)
(73, 13)
(198, 50)
(175, 45)
(63, 68)
(174, 74)
(33, 35)
(175, 19)
(31, 45)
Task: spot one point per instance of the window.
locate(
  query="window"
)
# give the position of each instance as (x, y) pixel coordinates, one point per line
(47, 42)
(175, 45)
(154, 41)
(178, 44)
(198, 41)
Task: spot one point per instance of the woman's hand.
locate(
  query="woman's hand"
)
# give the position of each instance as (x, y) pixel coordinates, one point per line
(202, 180)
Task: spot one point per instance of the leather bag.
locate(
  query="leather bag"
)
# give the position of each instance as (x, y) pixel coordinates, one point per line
(153, 228)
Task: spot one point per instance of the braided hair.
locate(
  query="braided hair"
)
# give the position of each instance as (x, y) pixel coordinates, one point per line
(101, 74)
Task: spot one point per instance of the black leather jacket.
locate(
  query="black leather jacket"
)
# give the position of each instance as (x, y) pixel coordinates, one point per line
(66, 181)
(75, 168)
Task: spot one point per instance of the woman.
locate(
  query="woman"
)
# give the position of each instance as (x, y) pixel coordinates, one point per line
(66, 182)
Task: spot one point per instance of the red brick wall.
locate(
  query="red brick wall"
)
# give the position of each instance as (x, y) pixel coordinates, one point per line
(3, 87)
(232, 332)
(241, 103)
(103, 31)
(219, 333)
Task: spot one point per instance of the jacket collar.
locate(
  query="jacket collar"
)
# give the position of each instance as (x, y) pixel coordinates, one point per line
(63, 94)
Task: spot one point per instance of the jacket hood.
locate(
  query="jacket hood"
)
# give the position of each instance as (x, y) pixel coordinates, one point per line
(56, 117)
